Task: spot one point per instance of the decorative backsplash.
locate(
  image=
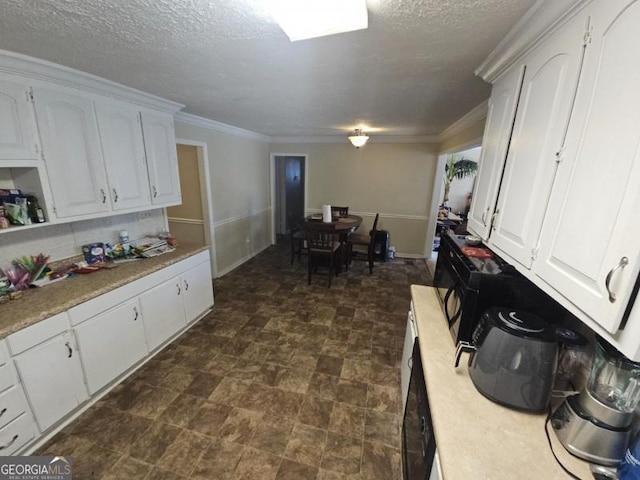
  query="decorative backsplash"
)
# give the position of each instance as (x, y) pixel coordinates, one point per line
(65, 240)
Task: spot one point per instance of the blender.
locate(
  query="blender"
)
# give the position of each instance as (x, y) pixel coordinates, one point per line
(595, 424)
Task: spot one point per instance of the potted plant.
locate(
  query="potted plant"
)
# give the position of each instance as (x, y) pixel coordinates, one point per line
(457, 169)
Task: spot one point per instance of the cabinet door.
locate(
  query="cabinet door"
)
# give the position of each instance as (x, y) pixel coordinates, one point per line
(52, 378)
(407, 351)
(497, 132)
(17, 125)
(543, 113)
(592, 224)
(72, 153)
(123, 149)
(162, 158)
(162, 312)
(198, 291)
(111, 343)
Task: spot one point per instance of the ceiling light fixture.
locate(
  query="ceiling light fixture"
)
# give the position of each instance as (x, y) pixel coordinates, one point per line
(302, 19)
(359, 138)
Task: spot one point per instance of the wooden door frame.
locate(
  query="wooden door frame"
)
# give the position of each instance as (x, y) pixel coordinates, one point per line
(206, 197)
(272, 183)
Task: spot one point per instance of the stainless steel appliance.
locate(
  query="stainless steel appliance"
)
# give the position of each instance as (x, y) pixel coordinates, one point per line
(513, 358)
(596, 423)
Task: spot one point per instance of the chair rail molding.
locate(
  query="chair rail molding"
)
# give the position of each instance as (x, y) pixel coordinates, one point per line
(241, 217)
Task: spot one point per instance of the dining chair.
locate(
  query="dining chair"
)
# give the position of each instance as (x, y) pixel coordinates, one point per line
(322, 243)
(339, 211)
(360, 240)
(297, 237)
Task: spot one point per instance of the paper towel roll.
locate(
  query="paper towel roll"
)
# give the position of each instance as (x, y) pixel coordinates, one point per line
(326, 213)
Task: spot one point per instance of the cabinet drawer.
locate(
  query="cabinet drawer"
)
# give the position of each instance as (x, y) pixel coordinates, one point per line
(37, 333)
(16, 434)
(12, 405)
(6, 378)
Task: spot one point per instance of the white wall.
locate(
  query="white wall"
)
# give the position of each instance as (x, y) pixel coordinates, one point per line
(393, 179)
(239, 171)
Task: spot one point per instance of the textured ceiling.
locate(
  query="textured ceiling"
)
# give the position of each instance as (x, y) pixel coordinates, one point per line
(410, 73)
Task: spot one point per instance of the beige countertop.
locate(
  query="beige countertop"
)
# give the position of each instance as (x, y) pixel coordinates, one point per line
(477, 438)
(37, 304)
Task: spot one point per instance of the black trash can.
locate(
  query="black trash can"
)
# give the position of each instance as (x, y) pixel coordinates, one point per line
(381, 245)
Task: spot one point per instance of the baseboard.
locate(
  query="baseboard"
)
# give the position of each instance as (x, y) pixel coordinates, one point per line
(246, 258)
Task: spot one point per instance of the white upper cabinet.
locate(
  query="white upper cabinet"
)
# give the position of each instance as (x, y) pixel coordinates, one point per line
(72, 153)
(123, 149)
(589, 244)
(544, 108)
(162, 158)
(497, 132)
(17, 125)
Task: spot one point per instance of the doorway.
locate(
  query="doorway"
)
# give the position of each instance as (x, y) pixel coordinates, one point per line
(459, 193)
(288, 192)
(192, 221)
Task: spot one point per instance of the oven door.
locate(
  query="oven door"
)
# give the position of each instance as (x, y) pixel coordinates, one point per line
(418, 440)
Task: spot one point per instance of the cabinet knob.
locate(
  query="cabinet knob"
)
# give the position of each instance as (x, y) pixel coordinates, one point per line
(69, 349)
(2, 412)
(115, 195)
(104, 195)
(155, 191)
(624, 261)
(179, 289)
(135, 310)
(186, 285)
(13, 440)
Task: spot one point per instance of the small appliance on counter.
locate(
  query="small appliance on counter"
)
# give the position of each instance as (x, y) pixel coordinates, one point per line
(595, 424)
(513, 358)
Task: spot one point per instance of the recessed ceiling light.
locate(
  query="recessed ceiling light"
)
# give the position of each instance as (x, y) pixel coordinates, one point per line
(301, 19)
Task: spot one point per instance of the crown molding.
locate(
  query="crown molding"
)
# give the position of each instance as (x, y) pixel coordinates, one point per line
(472, 117)
(378, 139)
(537, 24)
(197, 121)
(37, 69)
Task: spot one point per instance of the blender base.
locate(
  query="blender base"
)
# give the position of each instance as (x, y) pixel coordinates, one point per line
(586, 438)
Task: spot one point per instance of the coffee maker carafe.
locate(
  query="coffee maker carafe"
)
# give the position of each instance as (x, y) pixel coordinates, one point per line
(596, 423)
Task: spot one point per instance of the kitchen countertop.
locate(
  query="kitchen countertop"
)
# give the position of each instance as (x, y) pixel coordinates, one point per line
(37, 304)
(475, 437)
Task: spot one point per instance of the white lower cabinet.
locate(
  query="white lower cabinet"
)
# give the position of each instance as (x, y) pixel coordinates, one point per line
(64, 360)
(198, 291)
(50, 371)
(163, 312)
(111, 343)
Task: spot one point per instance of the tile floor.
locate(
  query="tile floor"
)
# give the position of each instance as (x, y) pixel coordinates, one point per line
(280, 381)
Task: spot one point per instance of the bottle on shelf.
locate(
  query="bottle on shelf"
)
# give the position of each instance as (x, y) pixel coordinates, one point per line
(35, 212)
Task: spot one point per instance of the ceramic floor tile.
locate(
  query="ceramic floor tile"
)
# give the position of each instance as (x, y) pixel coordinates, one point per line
(306, 445)
(342, 453)
(219, 461)
(256, 464)
(153, 443)
(290, 470)
(333, 356)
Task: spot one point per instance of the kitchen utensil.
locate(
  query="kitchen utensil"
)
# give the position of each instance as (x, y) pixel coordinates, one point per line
(513, 358)
(596, 423)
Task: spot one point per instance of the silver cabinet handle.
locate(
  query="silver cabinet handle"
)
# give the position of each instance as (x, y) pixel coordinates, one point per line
(624, 261)
(179, 290)
(13, 440)
(155, 192)
(69, 349)
(104, 195)
(115, 195)
(484, 214)
(135, 310)
(3, 411)
(410, 362)
(186, 285)
(493, 219)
